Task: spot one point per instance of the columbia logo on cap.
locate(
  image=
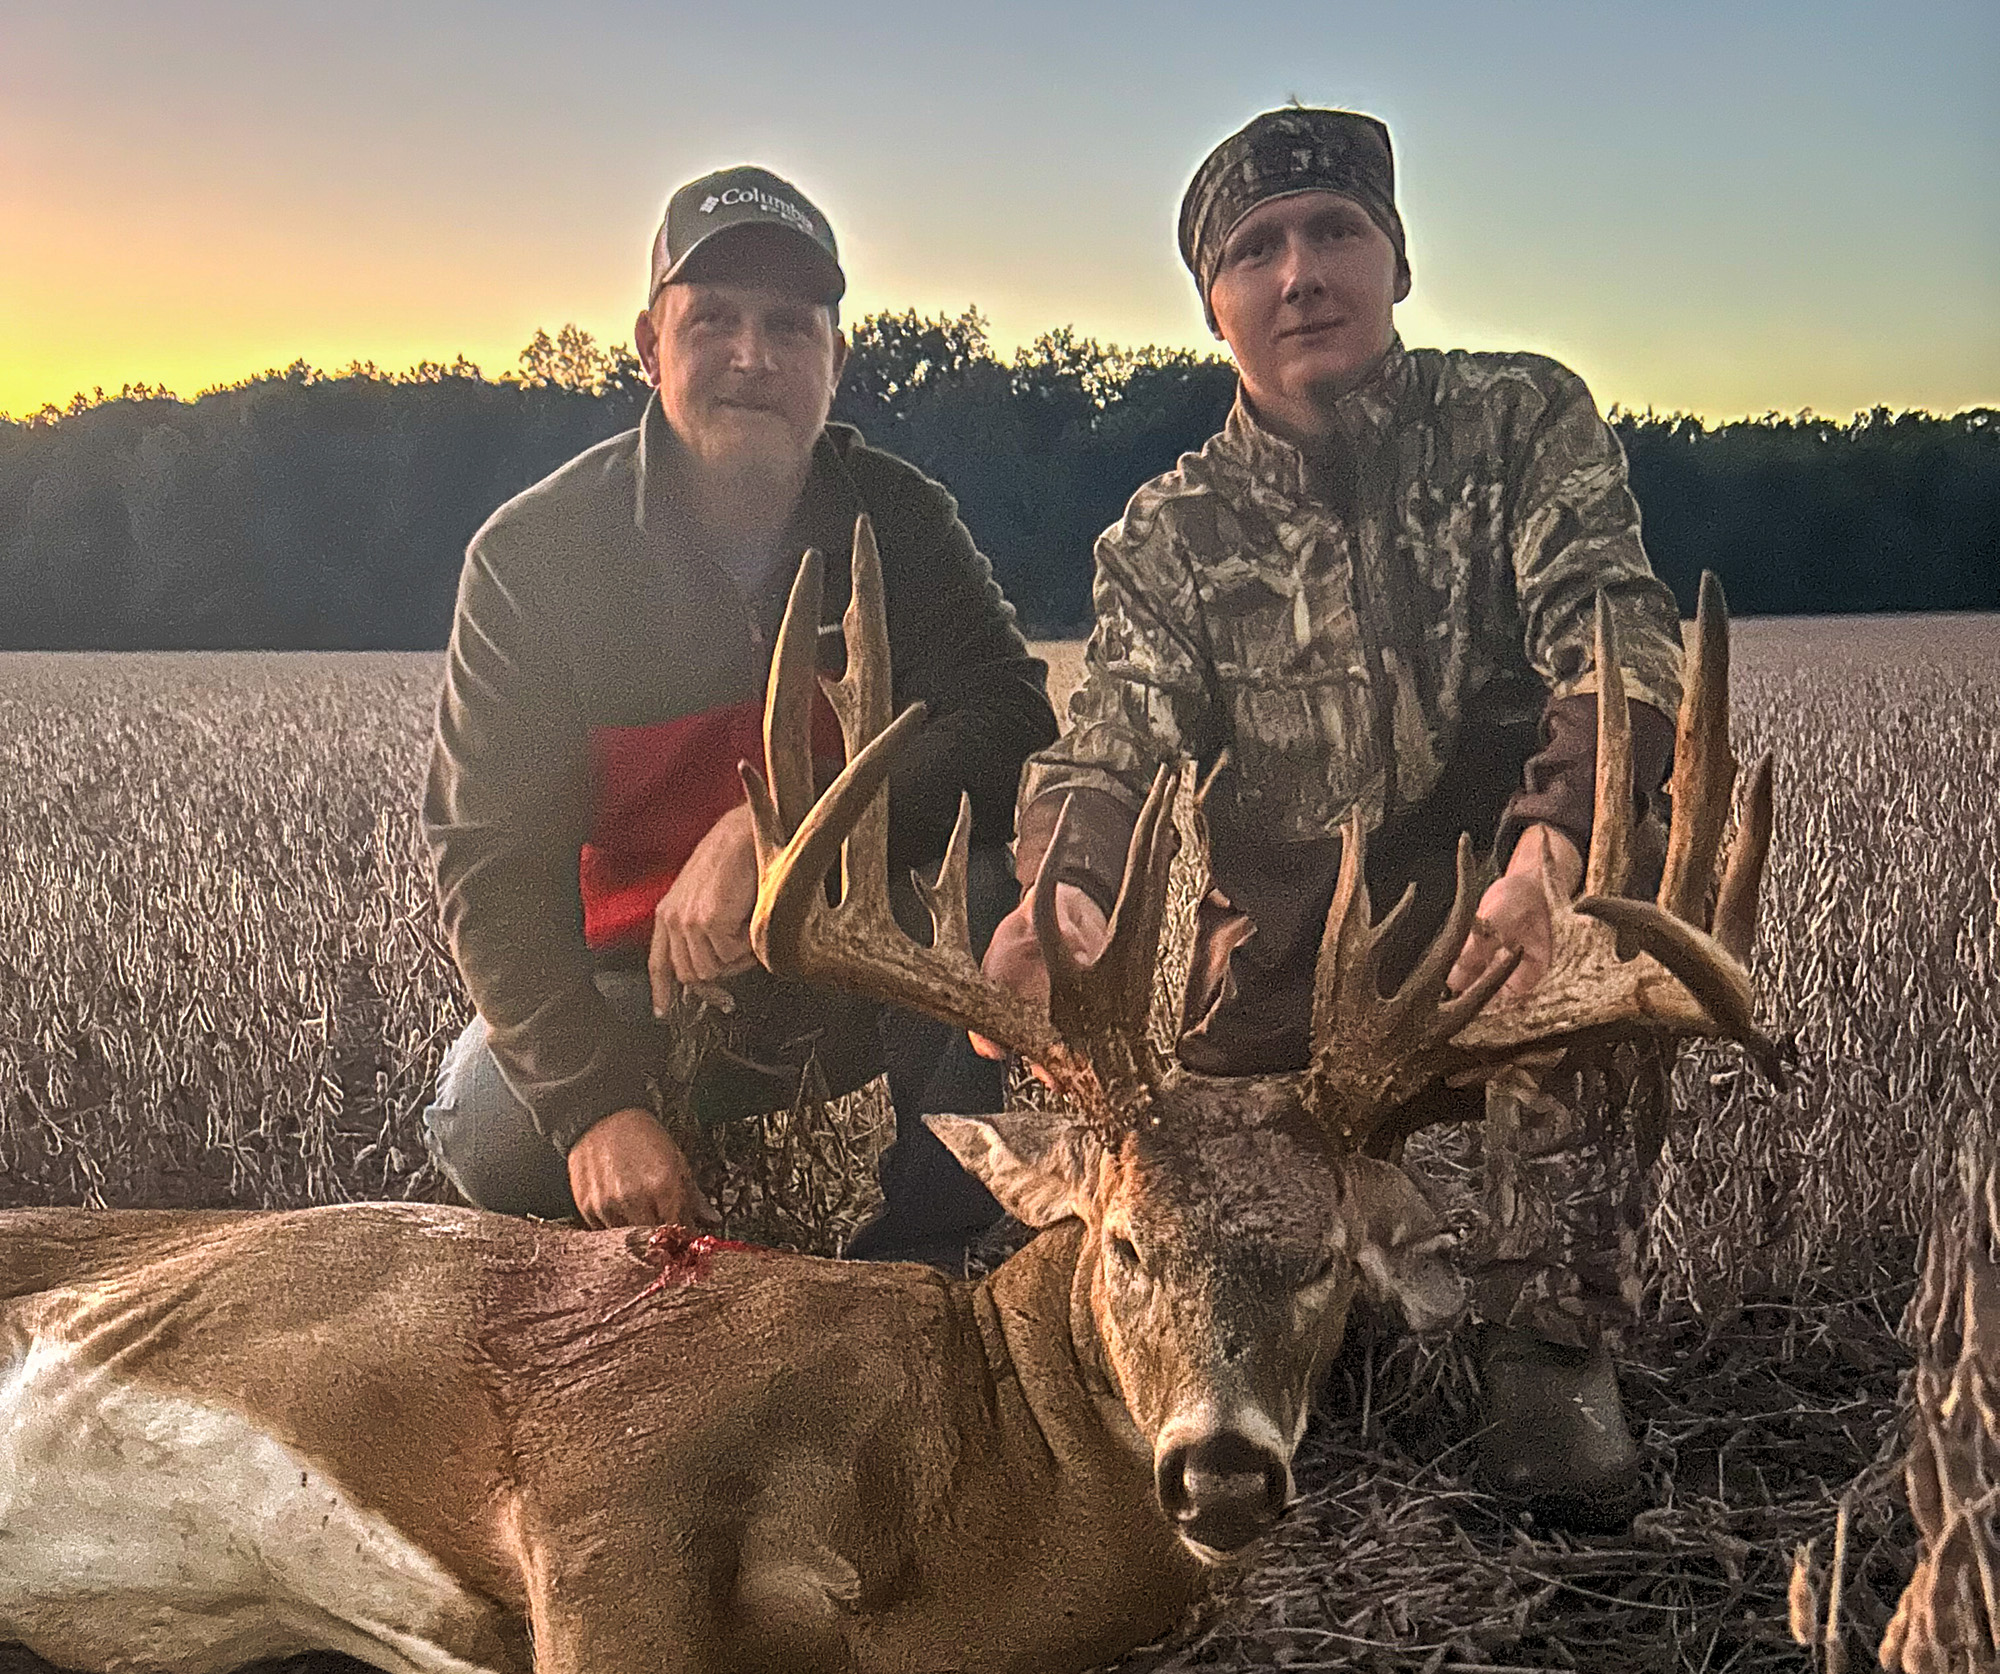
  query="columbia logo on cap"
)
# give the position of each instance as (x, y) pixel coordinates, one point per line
(767, 203)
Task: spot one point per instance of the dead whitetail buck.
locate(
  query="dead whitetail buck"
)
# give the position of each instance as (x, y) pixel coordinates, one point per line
(441, 1440)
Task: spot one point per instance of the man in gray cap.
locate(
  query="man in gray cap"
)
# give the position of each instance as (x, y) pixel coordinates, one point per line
(1375, 589)
(608, 659)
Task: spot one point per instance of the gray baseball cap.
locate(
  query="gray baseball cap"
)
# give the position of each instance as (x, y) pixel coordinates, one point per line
(772, 227)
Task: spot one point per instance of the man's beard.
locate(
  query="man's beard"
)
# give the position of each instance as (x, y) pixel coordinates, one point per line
(751, 477)
(748, 492)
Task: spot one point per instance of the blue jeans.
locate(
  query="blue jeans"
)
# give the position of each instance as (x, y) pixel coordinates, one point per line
(485, 1140)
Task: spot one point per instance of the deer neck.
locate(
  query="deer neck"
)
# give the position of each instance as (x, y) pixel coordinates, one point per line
(1089, 1563)
(1040, 1334)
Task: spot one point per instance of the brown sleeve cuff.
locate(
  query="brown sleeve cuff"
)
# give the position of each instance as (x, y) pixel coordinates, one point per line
(1095, 839)
(567, 1112)
(1560, 781)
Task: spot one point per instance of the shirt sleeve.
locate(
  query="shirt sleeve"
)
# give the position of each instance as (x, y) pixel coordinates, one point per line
(1144, 702)
(506, 802)
(1559, 783)
(1574, 529)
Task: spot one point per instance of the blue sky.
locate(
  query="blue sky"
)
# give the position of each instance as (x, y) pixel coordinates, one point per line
(1721, 208)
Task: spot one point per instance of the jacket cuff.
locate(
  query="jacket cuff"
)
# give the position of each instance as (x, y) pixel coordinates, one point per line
(566, 1111)
(1560, 781)
(1095, 839)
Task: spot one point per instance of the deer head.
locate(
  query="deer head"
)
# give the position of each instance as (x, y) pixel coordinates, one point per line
(1229, 1223)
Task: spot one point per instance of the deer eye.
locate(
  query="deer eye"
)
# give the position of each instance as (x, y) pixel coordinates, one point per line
(1123, 1251)
(1324, 1271)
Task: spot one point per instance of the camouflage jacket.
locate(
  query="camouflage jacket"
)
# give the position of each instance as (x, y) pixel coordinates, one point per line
(1358, 626)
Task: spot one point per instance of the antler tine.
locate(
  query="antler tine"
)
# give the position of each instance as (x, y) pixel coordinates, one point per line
(1704, 769)
(862, 700)
(1048, 929)
(1345, 940)
(1736, 905)
(951, 922)
(1610, 866)
(1104, 1005)
(1426, 983)
(1132, 946)
(1349, 966)
(1371, 1053)
(788, 699)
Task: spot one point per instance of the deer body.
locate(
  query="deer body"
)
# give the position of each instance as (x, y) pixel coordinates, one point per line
(421, 1436)
(450, 1443)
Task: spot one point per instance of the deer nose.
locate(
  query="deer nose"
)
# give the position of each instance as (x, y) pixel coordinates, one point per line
(1222, 1490)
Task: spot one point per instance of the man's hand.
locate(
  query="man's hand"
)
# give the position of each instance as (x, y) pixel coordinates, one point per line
(627, 1171)
(1014, 958)
(701, 928)
(1514, 913)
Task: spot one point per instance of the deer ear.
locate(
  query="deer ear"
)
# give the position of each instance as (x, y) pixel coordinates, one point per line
(1040, 1167)
(1400, 1246)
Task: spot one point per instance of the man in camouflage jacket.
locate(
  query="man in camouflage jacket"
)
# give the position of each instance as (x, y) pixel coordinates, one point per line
(1376, 588)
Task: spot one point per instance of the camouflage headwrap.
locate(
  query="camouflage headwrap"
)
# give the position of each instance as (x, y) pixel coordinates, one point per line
(1296, 149)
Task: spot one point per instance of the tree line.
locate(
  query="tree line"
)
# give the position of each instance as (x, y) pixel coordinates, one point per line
(330, 510)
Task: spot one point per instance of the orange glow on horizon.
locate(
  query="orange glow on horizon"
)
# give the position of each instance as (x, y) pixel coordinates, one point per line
(219, 294)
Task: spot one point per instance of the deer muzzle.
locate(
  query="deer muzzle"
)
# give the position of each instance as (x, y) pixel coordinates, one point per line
(1223, 1489)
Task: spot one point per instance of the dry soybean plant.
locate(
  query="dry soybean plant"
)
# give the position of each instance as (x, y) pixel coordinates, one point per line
(222, 977)
(1948, 1620)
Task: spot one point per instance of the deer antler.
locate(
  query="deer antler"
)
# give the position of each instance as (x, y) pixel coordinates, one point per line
(1669, 967)
(1618, 966)
(1091, 1036)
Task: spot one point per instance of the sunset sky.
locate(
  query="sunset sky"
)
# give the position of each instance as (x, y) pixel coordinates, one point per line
(1723, 206)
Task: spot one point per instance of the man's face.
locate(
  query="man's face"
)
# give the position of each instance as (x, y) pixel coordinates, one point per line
(1304, 297)
(746, 372)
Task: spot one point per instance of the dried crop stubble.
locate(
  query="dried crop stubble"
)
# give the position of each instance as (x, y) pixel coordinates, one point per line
(231, 919)
(1948, 1619)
